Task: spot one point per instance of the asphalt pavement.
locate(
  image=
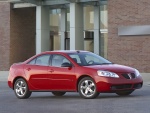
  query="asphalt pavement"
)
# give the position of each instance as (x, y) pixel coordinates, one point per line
(45, 102)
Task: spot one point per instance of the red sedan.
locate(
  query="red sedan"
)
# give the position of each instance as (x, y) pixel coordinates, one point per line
(78, 71)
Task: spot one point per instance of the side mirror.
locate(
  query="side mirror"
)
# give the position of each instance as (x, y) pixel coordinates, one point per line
(66, 64)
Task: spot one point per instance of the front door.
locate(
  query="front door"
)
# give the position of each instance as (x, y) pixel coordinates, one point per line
(61, 78)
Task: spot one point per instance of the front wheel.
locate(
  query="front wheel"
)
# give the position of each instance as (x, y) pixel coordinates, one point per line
(124, 93)
(57, 93)
(87, 88)
(21, 89)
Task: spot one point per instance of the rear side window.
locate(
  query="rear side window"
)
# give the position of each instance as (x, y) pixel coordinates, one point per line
(42, 60)
(32, 62)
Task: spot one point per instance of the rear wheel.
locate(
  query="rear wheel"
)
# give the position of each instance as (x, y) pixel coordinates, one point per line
(124, 93)
(21, 89)
(87, 88)
(58, 93)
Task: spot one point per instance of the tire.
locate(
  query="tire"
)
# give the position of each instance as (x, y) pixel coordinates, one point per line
(87, 88)
(124, 93)
(21, 89)
(58, 93)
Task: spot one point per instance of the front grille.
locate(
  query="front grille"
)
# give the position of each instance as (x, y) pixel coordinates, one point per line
(129, 75)
(124, 86)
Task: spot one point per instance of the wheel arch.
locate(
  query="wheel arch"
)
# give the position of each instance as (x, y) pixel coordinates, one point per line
(81, 77)
(18, 77)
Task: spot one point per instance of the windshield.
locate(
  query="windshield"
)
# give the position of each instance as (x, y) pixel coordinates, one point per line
(88, 58)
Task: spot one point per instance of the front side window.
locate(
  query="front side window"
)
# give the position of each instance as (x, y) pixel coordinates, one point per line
(58, 60)
(88, 58)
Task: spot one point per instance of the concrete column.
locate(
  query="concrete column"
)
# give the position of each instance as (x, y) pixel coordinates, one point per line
(97, 29)
(42, 29)
(63, 27)
(76, 27)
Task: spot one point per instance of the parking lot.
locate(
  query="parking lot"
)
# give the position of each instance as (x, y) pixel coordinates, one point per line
(45, 102)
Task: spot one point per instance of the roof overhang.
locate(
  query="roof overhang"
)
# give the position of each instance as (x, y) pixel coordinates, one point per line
(33, 3)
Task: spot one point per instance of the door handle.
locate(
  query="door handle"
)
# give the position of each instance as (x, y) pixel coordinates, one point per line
(28, 69)
(51, 70)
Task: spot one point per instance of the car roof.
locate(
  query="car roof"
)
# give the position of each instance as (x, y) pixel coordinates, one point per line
(64, 51)
(55, 52)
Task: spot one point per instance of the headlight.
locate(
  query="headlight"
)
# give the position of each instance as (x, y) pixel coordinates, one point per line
(137, 73)
(107, 74)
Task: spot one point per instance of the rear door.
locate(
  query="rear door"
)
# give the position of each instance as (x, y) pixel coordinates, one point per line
(37, 72)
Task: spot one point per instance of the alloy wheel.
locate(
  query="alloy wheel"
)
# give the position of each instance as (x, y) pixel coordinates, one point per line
(21, 89)
(87, 88)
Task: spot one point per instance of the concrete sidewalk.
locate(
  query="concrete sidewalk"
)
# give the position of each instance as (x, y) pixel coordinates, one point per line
(145, 76)
(4, 75)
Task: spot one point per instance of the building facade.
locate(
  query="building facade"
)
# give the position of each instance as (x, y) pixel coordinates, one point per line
(118, 30)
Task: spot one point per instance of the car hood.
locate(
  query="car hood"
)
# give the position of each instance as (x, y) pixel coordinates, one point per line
(112, 68)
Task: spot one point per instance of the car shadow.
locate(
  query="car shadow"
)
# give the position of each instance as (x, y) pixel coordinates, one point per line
(77, 96)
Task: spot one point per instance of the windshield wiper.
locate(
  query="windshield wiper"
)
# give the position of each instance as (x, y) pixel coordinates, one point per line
(106, 63)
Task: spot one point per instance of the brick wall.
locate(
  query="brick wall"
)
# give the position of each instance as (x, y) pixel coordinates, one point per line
(129, 50)
(17, 34)
(22, 43)
(4, 35)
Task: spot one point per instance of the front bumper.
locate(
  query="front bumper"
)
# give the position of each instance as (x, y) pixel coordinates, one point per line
(107, 84)
(126, 86)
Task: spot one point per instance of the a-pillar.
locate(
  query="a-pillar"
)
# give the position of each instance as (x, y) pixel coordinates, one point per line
(97, 29)
(76, 27)
(63, 27)
(42, 29)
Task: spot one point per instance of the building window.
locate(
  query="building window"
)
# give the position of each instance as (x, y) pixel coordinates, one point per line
(89, 29)
(103, 30)
(55, 17)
